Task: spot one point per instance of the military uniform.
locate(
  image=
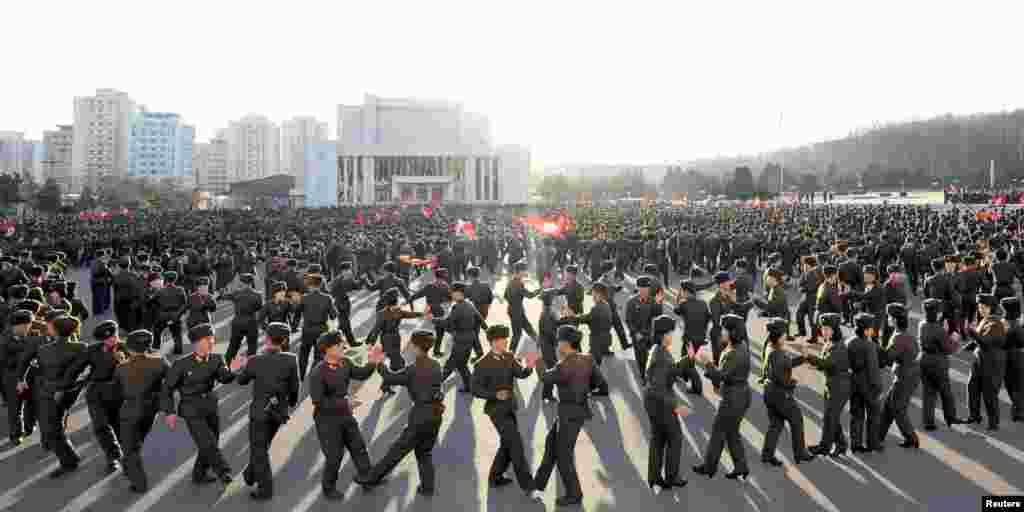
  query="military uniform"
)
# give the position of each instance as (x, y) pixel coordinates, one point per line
(660, 402)
(201, 307)
(935, 369)
(515, 293)
(21, 407)
(340, 290)
(245, 324)
(494, 373)
(437, 294)
(464, 322)
(640, 312)
(387, 327)
(834, 362)
(317, 309)
(779, 399)
(866, 385)
(989, 368)
(731, 376)
(171, 303)
(696, 316)
(138, 382)
(902, 353)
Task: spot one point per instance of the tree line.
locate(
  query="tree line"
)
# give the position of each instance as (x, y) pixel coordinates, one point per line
(112, 193)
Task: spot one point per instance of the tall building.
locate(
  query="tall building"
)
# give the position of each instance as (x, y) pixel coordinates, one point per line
(32, 159)
(400, 150)
(296, 135)
(161, 147)
(210, 166)
(57, 160)
(254, 148)
(102, 130)
(12, 152)
(321, 175)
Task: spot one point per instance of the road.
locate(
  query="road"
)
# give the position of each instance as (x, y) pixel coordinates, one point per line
(953, 469)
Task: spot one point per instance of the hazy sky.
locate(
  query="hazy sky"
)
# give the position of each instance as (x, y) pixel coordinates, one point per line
(587, 81)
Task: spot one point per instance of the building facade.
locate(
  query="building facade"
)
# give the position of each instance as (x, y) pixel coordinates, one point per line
(12, 152)
(254, 148)
(57, 161)
(101, 137)
(321, 175)
(296, 135)
(161, 147)
(211, 166)
(399, 150)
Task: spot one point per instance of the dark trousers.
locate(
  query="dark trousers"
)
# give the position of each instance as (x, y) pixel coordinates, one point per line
(21, 409)
(308, 344)
(641, 350)
(205, 431)
(560, 451)
(127, 315)
(520, 325)
(52, 418)
(895, 410)
(666, 446)
(459, 362)
(173, 325)
(439, 344)
(1015, 382)
(419, 438)
(782, 408)
(337, 434)
(100, 300)
(392, 344)
(510, 451)
(725, 430)
(690, 374)
(935, 385)
(261, 434)
(836, 396)
(249, 331)
(105, 416)
(865, 410)
(985, 384)
(345, 326)
(804, 318)
(134, 429)
(550, 355)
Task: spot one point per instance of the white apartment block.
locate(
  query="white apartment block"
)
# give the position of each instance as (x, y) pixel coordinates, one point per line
(254, 148)
(296, 135)
(12, 148)
(57, 159)
(101, 137)
(210, 164)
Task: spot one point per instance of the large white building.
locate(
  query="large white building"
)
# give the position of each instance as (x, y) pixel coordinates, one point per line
(101, 137)
(210, 163)
(401, 150)
(296, 135)
(254, 148)
(57, 160)
(12, 148)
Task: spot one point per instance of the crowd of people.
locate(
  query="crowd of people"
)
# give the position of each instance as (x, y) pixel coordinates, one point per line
(855, 270)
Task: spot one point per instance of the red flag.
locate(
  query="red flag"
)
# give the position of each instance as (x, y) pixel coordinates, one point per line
(359, 217)
(427, 211)
(690, 352)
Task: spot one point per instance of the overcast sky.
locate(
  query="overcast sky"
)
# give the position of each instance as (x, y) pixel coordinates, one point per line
(633, 82)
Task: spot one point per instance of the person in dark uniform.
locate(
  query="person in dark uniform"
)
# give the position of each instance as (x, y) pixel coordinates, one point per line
(987, 372)
(277, 309)
(171, 304)
(572, 290)
(696, 318)
(935, 367)
(494, 381)
(389, 319)
(340, 289)
(809, 283)
(866, 384)
(1003, 275)
(664, 408)
(201, 305)
(423, 381)
(834, 362)
(21, 406)
(639, 315)
(615, 286)
(721, 303)
(481, 295)
(548, 339)
(730, 375)
(389, 280)
(901, 352)
(464, 322)
(138, 381)
(275, 378)
(337, 429)
(245, 324)
(317, 309)
(779, 397)
(437, 295)
(942, 286)
(128, 293)
(515, 293)
(575, 375)
(194, 377)
(102, 359)
(599, 319)
(1014, 345)
(296, 287)
(54, 397)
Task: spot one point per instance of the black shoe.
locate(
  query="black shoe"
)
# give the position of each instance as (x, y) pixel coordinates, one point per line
(225, 477)
(550, 399)
(737, 475)
(569, 501)
(16, 440)
(464, 390)
(818, 450)
(956, 421)
(603, 392)
(930, 428)
(992, 427)
(837, 452)
(423, 491)
(113, 466)
(260, 495)
(627, 346)
(137, 489)
(1018, 419)
(880, 448)
(438, 354)
(332, 494)
(700, 470)
(368, 483)
(859, 449)
(678, 482)
(973, 420)
(910, 443)
(695, 391)
(63, 471)
(203, 479)
(771, 461)
(248, 478)
(501, 481)
(804, 458)
(356, 344)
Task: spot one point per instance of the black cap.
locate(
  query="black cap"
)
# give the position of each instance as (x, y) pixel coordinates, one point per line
(278, 286)
(644, 282)
(21, 317)
(328, 340)
(599, 287)
(389, 297)
(139, 341)
(569, 334)
(389, 267)
(988, 299)
(870, 269)
(458, 287)
(345, 266)
(521, 266)
(278, 330)
(54, 314)
(248, 279)
(833, 320)
(548, 295)
(776, 326)
(200, 331)
(1011, 306)
(498, 331)
(203, 281)
(104, 330)
(664, 324)
(932, 304)
(723, 277)
(829, 270)
(896, 310)
(30, 305)
(572, 269)
(423, 339)
(316, 268)
(688, 285)
(18, 292)
(651, 269)
(865, 320)
(473, 272)
(733, 322)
